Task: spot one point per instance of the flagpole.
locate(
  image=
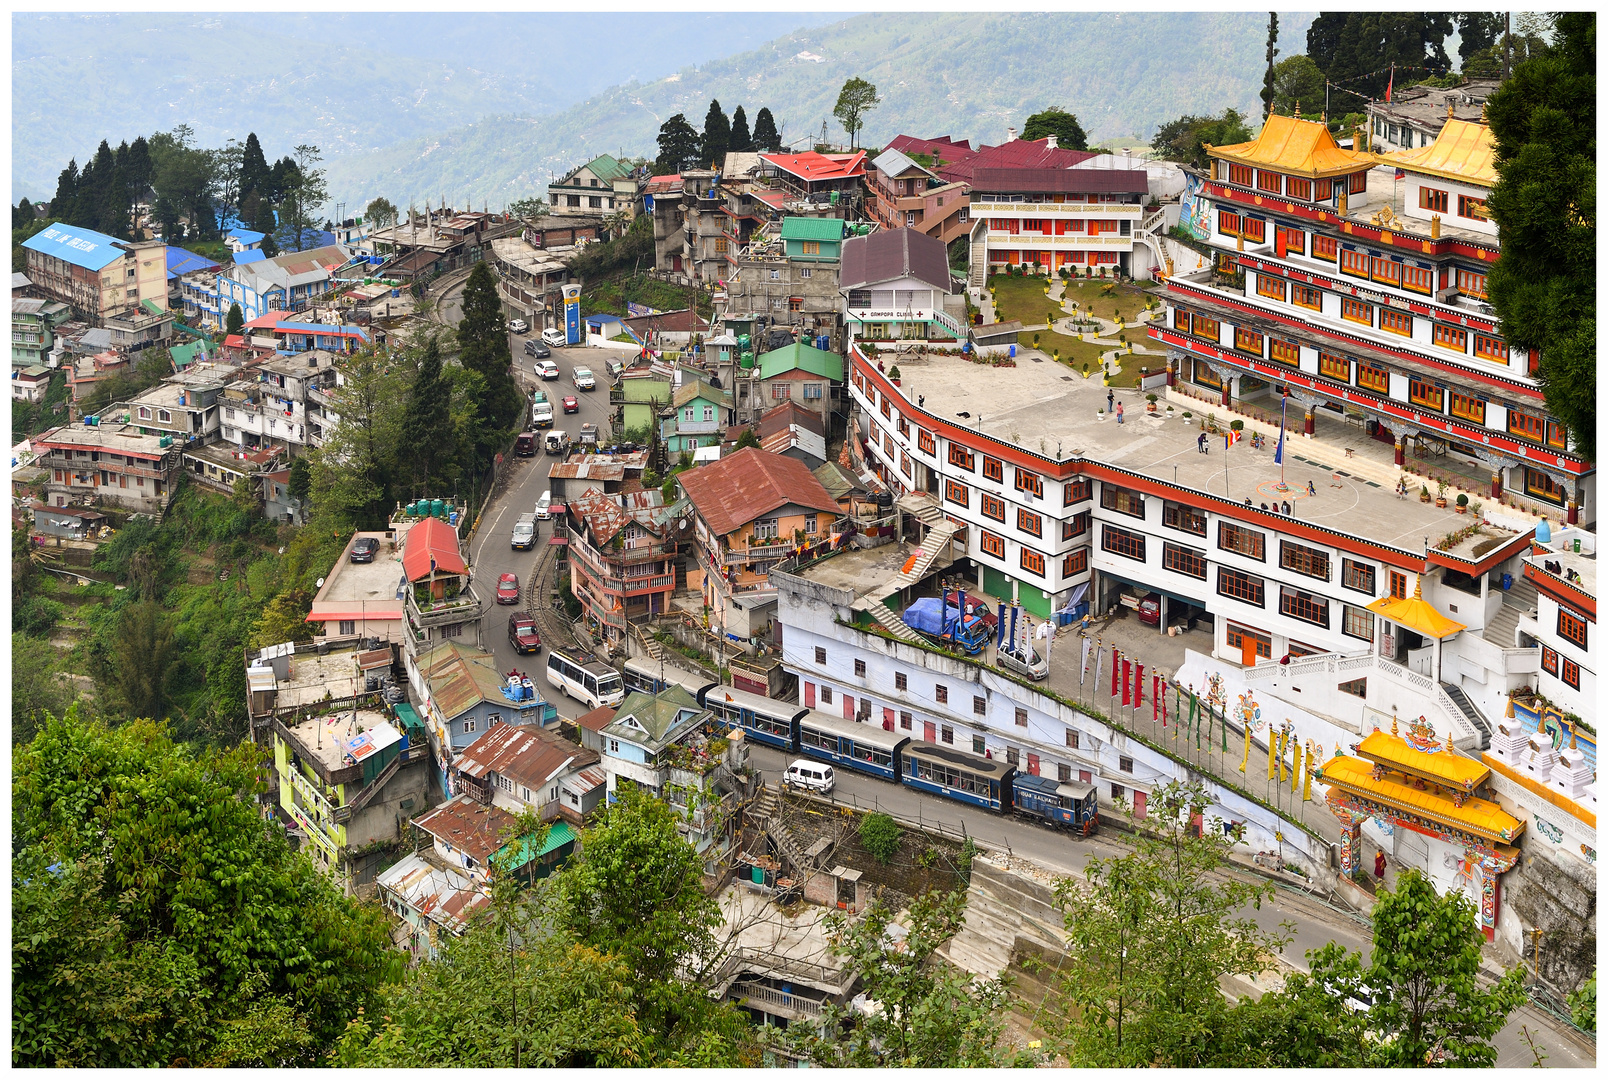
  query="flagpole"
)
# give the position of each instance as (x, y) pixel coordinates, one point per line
(1284, 405)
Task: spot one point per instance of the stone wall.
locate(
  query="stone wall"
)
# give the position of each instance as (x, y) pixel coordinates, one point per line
(1560, 899)
(1010, 914)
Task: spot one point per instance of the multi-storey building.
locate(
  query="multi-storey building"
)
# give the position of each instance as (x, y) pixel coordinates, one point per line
(906, 194)
(288, 282)
(601, 185)
(117, 465)
(622, 552)
(276, 410)
(1362, 311)
(1414, 117)
(821, 179)
(1564, 622)
(1060, 504)
(95, 274)
(897, 287)
(698, 416)
(1085, 220)
(33, 326)
(788, 276)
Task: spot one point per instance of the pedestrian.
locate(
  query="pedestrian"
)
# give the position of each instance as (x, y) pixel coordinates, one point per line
(1119, 412)
(1264, 506)
(1311, 488)
(1286, 507)
(1379, 865)
(1200, 443)
(1110, 397)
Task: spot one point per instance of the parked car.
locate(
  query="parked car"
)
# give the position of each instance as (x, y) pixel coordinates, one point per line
(525, 444)
(547, 369)
(1028, 664)
(811, 776)
(538, 349)
(614, 368)
(555, 337)
(571, 403)
(542, 505)
(975, 606)
(583, 379)
(508, 589)
(364, 548)
(518, 326)
(1150, 610)
(522, 633)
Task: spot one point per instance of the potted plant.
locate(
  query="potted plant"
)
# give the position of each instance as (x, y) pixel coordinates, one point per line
(1150, 403)
(1440, 494)
(1423, 494)
(1462, 503)
(1236, 425)
(1476, 507)
(1085, 369)
(1187, 415)
(893, 374)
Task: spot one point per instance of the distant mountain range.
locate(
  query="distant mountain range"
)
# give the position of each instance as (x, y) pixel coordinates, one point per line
(349, 83)
(484, 109)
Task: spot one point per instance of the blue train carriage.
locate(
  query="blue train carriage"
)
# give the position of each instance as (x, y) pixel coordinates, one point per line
(1070, 804)
(956, 774)
(866, 748)
(651, 678)
(766, 720)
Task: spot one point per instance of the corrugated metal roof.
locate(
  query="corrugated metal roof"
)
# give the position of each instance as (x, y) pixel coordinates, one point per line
(798, 356)
(249, 256)
(431, 545)
(750, 483)
(1060, 181)
(1462, 151)
(894, 163)
(475, 830)
(181, 262)
(812, 166)
(812, 228)
(440, 894)
(891, 254)
(82, 247)
(655, 720)
(532, 756)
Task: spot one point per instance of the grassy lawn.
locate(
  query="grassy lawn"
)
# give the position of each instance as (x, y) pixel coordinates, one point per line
(1090, 295)
(1021, 298)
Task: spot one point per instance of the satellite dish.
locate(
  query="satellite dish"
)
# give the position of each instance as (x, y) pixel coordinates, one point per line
(683, 524)
(320, 583)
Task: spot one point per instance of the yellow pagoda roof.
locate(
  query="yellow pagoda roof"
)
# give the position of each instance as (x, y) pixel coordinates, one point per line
(1443, 767)
(1462, 151)
(1416, 614)
(1479, 816)
(1302, 147)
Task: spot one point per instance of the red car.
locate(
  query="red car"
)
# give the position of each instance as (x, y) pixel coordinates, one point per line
(570, 404)
(1150, 610)
(508, 589)
(522, 633)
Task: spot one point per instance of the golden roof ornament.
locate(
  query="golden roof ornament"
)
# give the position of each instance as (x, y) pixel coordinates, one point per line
(1418, 587)
(1449, 746)
(1393, 729)
(1298, 108)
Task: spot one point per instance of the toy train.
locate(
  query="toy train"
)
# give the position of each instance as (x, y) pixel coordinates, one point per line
(938, 769)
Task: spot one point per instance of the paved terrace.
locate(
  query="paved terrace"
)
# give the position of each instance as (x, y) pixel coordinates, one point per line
(1048, 409)
(323, 737)
(364, 590)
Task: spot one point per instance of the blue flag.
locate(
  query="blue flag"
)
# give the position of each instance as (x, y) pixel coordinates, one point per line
(1278, 451)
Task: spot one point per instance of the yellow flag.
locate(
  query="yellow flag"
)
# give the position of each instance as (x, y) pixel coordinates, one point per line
(1272, 751)
(1246, 760)
(1306, 779)
(1295, 765)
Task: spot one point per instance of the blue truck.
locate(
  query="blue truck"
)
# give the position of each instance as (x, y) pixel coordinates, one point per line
(944, 624)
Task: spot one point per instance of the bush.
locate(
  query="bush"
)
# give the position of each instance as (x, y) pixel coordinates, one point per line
(880, 836)
(37, 616)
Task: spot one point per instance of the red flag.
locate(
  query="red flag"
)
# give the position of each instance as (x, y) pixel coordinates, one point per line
(1138, 685)
(1126, 671)
(1392, 84)
(1156, 690)
(1116, 674)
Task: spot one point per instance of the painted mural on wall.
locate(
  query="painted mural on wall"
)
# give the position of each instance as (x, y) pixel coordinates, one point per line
(1193, 209)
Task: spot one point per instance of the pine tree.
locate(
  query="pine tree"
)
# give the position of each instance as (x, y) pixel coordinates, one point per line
(254, 174)
(716, 135)
(139, 168)
(765, 135)
(483, 348)
(1272, 51)
(236, 320)
(678, 144)
(61, 207)
(101, 198)
(427, 423)
(741, 140)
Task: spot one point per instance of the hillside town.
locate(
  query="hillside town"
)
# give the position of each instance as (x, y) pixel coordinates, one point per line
(786, 557)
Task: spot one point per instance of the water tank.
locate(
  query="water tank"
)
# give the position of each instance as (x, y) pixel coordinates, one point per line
(747, 360)
(742, 341)
(413, 509)
(884, 501)
(438, 508)
(165, 441)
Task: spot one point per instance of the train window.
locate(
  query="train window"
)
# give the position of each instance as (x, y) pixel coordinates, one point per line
(1021, 717)
(947, 734)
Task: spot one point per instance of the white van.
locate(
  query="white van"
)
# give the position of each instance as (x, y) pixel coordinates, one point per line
(811, 776)
(1028, 664)
(542, 504)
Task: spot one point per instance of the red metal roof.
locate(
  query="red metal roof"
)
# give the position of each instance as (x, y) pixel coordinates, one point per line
(431, 544)
(475, 830)
(529, 755)
(1016, 154)
(812, 166)
(743, 486)
(269, 318)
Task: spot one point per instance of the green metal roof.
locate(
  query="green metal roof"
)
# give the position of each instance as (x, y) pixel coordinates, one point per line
(409, 716)
(828, 365)
(659, 718)
(153, 307)
(812, 228)
(642, 391)
(559, 835)
(185, 355)
(606, 167)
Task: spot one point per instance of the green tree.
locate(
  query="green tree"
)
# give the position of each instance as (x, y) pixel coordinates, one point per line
(157, 920)
(1476, 32)
(353, 471)
(1297, 82)
(1425, 970)
(235, 321)
(880, 835)
(23, 214)
(379, 213)
(528, 209)
(1544, 287)
(741, 138)
(1150, 936)
(426, 422)
(185, 180)
(928, 1014)
(1357, 49)
(1268, 90)
(61, 207)
(1186, 138)
(1058, 122)
(300, 483)
(254, 173)
(857, 98)
(229, 164)
(765, 134)
(305, 193)
(483, 348)
(142, 659)
(38, 686)
(1583, 1004)
(716, 136)
(1306, 1024)
(679, 144)
(747, 438)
